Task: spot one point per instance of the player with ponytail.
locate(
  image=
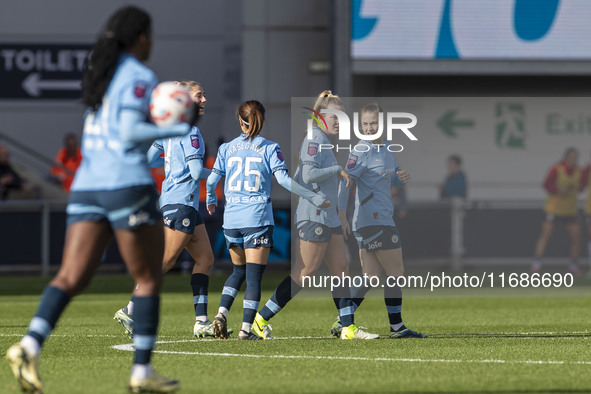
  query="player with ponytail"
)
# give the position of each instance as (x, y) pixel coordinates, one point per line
(248, 162)
(112, 194)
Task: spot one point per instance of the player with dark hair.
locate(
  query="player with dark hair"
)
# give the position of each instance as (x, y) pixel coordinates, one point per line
(112, 194)
(248, 162)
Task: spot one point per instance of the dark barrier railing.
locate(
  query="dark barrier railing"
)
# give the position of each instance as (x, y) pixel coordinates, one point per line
(453, 232)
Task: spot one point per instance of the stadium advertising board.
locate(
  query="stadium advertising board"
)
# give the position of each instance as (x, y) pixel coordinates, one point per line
(471, 30)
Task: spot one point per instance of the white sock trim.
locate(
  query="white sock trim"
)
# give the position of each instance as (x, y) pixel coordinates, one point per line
(31, 345)
(141, 371)
(223, 311)
(130, 308)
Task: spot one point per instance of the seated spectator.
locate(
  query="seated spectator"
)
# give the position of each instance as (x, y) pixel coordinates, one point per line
(9, 179)
(455, 183)
(66, 162)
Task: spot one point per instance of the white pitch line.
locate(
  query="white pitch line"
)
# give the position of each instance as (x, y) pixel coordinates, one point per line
(129, 348)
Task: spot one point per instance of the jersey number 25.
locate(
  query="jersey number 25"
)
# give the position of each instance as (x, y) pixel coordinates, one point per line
(236, 184)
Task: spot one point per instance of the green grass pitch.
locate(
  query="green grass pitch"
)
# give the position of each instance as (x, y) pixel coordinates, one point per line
(476, 345)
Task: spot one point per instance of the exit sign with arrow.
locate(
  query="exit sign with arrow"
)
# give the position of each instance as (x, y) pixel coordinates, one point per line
(42, 71)
(449, 123)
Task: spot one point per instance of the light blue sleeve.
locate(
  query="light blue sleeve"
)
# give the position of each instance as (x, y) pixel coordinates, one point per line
(137, 89)
(355, 165)
(219, 167)
(198, 172)
(284, 180)
(154, 159)
(312, 174)
(276, 160)
(193, 145)
(212, 182)
(134, 128)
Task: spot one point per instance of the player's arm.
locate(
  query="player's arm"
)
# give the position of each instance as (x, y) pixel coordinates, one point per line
(279, 169)
(194, 149)
(344, 190)
(217, 172)
(311, 165)
(311, 174)
(210, 185)
(198, 171)
(400, 178)
(318, 199)
(154, 159)
(550, 181)
(134, 127)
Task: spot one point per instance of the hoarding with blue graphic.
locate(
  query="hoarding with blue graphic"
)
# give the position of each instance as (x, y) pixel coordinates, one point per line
(471, 29)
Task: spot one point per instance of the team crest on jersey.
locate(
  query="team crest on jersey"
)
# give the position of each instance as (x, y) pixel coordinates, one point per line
(186, 222)
(352, 162)
(318, 230)
(279, 154)
(394, 238)
(312, 148)
(195, 141)
(139, 89)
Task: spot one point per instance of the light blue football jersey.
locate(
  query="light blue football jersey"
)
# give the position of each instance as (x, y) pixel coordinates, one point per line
(108, 162)
(179, 187)
(248, 167)
(374, 172)
(312, 155)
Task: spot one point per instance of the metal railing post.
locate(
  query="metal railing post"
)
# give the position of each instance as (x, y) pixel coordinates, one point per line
(457, 233)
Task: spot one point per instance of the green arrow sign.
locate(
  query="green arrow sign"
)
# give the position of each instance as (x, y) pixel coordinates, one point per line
(448, 123)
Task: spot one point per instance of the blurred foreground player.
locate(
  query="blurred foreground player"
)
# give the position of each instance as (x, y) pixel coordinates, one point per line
(112, 194)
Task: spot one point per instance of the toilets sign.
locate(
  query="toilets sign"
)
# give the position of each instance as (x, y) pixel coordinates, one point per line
(41, 71)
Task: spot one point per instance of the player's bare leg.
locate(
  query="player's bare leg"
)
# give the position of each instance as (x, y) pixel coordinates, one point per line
(310, 256)
(174, 243)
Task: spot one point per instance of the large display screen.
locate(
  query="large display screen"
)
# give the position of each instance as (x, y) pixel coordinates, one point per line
(471, 29)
